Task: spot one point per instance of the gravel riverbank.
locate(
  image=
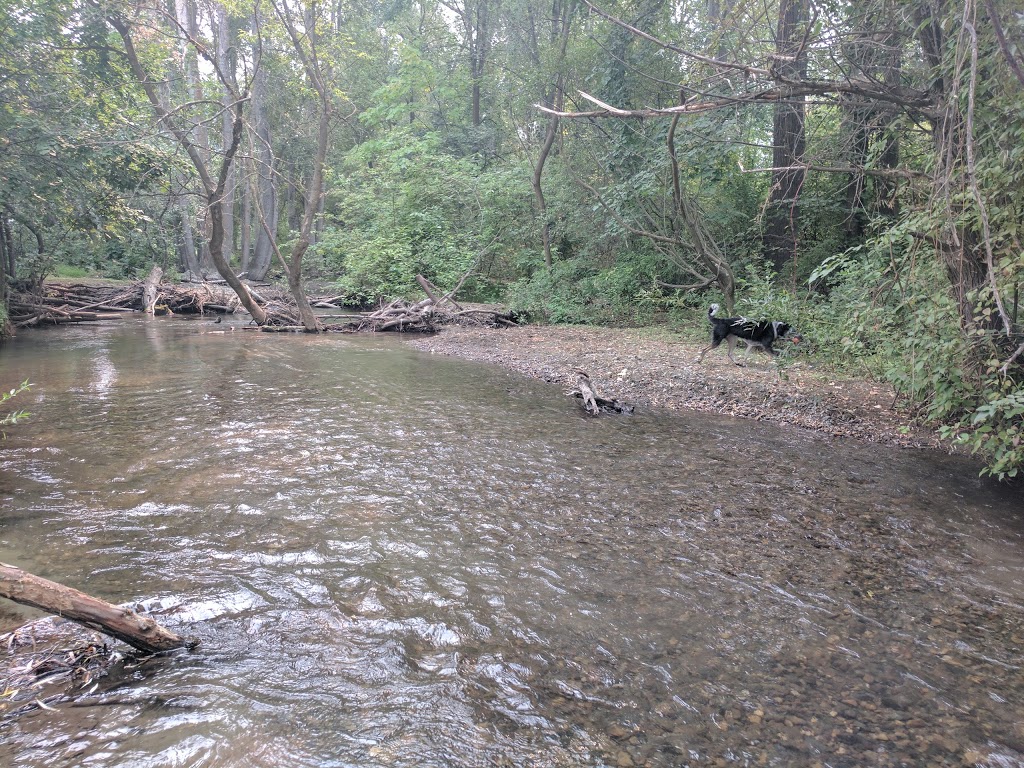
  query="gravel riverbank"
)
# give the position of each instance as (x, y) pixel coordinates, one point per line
(655, 369)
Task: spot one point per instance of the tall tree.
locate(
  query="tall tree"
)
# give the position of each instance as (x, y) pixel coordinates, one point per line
(782, 214)
(302, 26)
(559, 28)
(476, 22)
(183, 126)
(264, 183)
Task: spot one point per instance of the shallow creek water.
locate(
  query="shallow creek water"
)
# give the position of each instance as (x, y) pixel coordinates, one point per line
(394, 559)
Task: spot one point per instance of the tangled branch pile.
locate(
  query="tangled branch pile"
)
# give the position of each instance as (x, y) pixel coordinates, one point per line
(58, 302)
(426, 316)
(49, 661)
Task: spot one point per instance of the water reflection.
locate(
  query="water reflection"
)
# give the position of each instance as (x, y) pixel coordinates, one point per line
(393, 559)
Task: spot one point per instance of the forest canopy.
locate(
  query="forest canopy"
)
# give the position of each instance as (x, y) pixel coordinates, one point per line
(854, 167)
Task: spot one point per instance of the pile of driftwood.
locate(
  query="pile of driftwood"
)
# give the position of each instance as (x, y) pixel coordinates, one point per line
(65, 302)
(426, 316)
(57, 303)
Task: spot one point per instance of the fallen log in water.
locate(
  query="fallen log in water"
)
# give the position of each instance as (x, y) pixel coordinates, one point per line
(140, 632)
(591, 402)
(587, 393)
(151, 290)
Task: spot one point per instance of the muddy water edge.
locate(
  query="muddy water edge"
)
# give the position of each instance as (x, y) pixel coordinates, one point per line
(393, 558)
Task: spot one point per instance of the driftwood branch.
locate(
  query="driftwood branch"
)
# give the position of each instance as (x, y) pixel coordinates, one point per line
(151, 290)
(140, 632)
(587, 392)
(589, 399)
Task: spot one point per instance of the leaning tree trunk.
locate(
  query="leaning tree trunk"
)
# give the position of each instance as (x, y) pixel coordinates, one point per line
(140, 632)
(213, 189)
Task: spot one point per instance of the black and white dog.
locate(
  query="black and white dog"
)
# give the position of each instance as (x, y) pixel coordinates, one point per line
(761, 334)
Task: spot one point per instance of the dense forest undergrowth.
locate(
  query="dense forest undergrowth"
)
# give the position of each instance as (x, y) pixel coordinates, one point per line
(852, 168)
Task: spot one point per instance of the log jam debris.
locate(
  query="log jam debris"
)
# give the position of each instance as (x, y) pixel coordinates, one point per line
(55, 303)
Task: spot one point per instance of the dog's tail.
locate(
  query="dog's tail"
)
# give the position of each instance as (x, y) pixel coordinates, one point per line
(712, 311)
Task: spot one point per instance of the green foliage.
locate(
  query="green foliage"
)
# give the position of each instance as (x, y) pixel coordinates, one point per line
(404, 208)
(73, 167)
(994, 428)
(888, 309)
(69, 270)
(574, 292)
(13, 417)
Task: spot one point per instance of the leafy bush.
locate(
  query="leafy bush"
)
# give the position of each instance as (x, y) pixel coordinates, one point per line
(889, 309)
(994, 428)
(574, 292)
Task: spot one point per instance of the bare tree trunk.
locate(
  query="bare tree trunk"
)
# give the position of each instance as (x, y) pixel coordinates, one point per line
(6, 262)
(478, 51)
(186, 243)
(185, 15)
(783, 212)
(245, 228)
(561, 23)
(875, 55)
(8, 248)
(226, 66)
(150, 290)
(474, 16)
(138, 631)
(266, 183)
(306, 48)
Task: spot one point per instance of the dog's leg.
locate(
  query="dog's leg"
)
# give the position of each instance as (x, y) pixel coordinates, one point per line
(715, 341)
(732, 346)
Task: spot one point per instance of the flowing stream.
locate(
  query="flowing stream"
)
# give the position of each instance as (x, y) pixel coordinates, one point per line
(395, 559)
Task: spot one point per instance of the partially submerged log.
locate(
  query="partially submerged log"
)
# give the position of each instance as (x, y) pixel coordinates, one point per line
(151, 290)
(589, 399)
(586, 391)
(140, 632)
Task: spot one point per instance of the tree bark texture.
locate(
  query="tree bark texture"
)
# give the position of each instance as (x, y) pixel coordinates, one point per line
(213, 188)
(561, 24)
